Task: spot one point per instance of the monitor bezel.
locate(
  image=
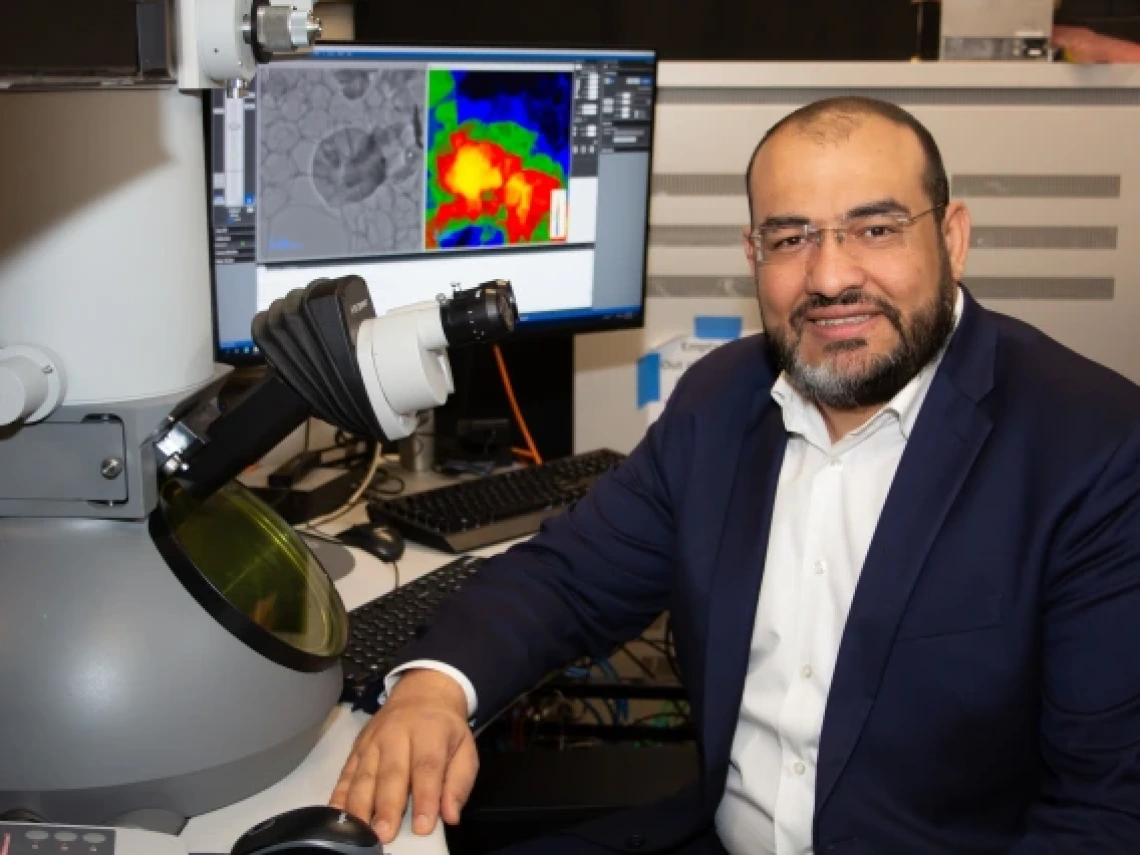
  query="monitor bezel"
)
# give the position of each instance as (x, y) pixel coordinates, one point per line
(583, 325)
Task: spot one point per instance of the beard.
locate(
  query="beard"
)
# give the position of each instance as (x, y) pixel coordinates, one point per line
(878, 378)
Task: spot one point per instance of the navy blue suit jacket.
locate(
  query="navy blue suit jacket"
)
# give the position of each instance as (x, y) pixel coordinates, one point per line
(986, 698)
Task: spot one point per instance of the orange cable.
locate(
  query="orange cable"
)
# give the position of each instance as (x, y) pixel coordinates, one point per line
(534, 455)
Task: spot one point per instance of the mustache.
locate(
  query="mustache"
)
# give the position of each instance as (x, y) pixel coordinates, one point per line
(850, 297)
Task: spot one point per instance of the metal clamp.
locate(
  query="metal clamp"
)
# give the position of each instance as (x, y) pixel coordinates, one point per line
(182, 438)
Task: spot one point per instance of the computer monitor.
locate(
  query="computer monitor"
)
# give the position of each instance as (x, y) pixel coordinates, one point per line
(421, 169)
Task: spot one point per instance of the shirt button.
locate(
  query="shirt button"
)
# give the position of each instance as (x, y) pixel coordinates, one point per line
(820, 566)
(836, 463)
(806, 671)
(799, 768)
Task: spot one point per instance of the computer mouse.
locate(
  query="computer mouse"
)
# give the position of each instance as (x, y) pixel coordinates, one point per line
(385, 543)
(316, 830)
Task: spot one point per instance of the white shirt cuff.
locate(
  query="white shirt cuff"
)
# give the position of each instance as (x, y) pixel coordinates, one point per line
(454, 673)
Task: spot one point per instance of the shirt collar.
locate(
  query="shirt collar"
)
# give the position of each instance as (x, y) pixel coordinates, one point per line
(800, 413)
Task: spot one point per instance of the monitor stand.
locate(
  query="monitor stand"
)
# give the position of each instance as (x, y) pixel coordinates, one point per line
(478, 416)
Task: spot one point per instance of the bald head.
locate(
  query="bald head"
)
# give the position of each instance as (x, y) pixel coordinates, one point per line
(833, 121)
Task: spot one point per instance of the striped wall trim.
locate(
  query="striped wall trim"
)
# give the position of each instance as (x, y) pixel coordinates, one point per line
(726, 95)
(701, 286)
(1036, 186)
(1043, 237)
(982, 237)
(696, 236)
(1041, 287)
(693, 184)
(982, 287)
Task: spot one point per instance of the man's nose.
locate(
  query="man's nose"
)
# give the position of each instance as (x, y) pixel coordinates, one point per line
(831, 270)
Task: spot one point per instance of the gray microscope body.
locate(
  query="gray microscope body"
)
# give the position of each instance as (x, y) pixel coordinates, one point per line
(168, 645)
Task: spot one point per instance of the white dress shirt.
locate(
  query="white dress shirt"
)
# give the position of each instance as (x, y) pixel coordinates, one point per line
(828, 500)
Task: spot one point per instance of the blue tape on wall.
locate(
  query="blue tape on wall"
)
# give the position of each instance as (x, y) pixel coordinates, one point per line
(648, 379)
(718, 326)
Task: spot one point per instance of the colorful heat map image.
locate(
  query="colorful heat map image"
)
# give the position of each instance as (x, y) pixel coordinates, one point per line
(498, 157)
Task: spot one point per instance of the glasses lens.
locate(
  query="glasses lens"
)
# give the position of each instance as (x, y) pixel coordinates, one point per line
(775, 244)
(872, 233)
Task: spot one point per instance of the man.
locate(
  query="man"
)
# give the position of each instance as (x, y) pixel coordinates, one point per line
(899, 536)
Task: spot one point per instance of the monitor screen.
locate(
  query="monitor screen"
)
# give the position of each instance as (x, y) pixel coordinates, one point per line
(426, 169)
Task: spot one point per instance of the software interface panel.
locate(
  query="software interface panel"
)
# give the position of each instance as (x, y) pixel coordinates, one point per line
(423, 170)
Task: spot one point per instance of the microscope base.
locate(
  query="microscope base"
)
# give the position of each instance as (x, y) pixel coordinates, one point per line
(125, 702)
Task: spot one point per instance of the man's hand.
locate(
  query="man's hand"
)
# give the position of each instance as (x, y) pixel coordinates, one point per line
(418, 742)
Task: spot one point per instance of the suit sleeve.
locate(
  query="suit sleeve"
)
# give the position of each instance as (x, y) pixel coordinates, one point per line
(1090, 720)
(593, 577)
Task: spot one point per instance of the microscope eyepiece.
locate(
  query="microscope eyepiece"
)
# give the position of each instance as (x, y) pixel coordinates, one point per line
(483, 314)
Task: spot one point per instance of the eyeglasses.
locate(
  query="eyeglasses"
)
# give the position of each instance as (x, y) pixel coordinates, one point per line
(862, 237)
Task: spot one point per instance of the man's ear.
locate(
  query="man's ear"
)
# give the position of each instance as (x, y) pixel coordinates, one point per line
(749, 249)
(956, 231)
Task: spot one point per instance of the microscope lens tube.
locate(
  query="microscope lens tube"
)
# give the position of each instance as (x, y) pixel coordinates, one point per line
(483, 314)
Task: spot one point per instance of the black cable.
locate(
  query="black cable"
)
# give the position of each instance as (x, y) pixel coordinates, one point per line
(659, 646)
(671, 648)
(638, 662)
(645, 718)
(376, 490)
(611, 705)
(593, 710)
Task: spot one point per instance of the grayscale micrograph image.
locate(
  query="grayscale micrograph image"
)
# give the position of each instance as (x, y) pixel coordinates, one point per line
(340, 161)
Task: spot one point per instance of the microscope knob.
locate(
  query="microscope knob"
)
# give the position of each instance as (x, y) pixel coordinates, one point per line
(31, 384)
(23, 389)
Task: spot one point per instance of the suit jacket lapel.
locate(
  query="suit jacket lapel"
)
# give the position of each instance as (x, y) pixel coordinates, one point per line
(947, 437)
(736, 584)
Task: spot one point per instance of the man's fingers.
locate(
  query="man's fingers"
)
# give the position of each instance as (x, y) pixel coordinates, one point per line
(339, 798)
(390, 794)
(405, 750)
(363, 785)
(459, 780)
(429, 764)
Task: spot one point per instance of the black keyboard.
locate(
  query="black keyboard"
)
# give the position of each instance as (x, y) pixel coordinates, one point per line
(378, 630)
(470, 514)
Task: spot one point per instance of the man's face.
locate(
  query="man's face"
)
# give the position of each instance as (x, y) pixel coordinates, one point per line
(851, 323)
